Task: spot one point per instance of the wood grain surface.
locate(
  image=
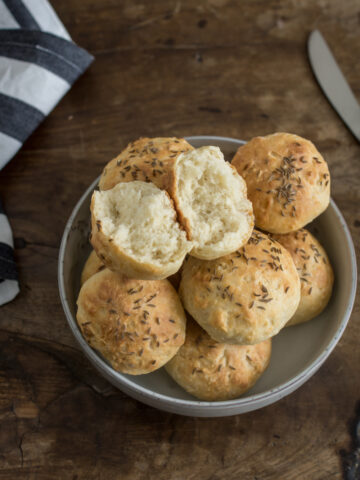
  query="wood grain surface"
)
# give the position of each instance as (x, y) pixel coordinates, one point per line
(222, 67)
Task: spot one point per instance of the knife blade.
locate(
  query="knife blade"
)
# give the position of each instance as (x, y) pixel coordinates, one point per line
(333, 82)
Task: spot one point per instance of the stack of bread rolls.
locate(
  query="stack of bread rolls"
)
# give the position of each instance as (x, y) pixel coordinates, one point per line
(179, 277)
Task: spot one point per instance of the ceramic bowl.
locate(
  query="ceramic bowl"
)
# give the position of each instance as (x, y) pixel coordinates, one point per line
(298, 351)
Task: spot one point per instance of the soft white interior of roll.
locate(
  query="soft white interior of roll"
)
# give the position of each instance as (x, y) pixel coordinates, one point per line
(141, 220)
(211, 197)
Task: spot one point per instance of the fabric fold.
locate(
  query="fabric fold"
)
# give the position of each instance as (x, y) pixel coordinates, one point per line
(38, 64)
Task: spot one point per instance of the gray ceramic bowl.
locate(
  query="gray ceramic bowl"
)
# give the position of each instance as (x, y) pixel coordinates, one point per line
(298, 351)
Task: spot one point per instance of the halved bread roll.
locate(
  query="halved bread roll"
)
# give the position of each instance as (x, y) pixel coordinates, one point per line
(210, 197)
(135, 231)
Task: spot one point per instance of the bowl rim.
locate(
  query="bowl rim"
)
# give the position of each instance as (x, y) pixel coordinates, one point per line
(278, 391)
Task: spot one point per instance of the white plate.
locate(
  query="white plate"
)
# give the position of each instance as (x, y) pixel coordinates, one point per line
(297, 351)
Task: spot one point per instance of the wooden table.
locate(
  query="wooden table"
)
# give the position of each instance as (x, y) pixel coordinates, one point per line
(221, 67)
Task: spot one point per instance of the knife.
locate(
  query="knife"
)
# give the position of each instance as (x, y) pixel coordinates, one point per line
(333, 82)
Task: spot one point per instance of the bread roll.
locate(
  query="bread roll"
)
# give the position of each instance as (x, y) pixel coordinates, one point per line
(315, 272)
(215, 371)
(135, 232)
(137, 326)
(145, 159)
(175, 279)
(245, 297)
(92, 265)
(211, 201)
(288, 181)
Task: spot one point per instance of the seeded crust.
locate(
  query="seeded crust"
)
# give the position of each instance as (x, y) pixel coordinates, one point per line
(215, 371)
(315, 272)
(245, 297)
(147, 160)
(288, 181)
(92, 265)
(137, 326)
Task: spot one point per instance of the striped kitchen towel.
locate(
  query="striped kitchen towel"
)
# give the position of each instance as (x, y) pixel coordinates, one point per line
(9, 286)
(38, 65)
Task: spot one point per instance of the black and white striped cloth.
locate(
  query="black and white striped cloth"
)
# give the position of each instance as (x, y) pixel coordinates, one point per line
(38, 65)
(9, 285)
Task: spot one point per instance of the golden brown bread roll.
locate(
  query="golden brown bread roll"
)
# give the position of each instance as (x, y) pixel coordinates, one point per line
(211, 201)
(175, 279)
(92, 265)
(136, 325)
(215, 371)
(245, 297)
(135, 231)
(315, 272)
(288, 181)
(145, 159)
